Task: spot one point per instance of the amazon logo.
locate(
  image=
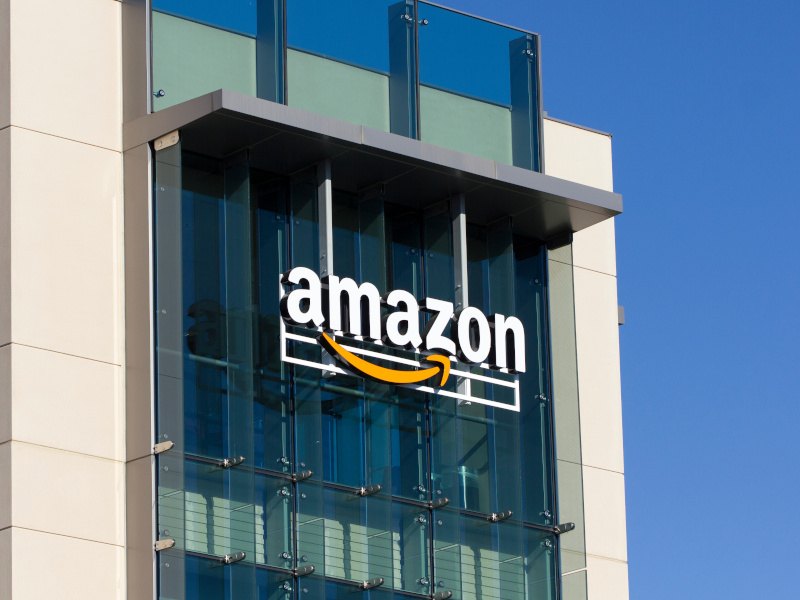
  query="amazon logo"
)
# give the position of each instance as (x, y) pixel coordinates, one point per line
(341, 307)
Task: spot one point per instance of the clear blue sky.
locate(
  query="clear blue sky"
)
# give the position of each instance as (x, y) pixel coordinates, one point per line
(703, 99)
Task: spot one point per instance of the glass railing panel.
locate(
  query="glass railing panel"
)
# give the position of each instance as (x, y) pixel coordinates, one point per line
(478, 86)
(204, 45)
(492, 561)
(340, 60)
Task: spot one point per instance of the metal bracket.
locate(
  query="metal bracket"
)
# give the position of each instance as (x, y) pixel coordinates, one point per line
(163, 447)
(563, 528)
(164, 544)
(302, 475)
(229, 559)
(369, 490)
(371, 583)
(303, 571)
(227, 463)
(442, 595)
(438, 503)
(497, 517)
(167, 141)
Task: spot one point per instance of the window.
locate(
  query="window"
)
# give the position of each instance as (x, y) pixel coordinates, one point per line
(288, 482)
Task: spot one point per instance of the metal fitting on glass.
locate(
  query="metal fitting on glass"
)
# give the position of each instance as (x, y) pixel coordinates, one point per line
(284, 492)
(227, 463)
(164, 544)
(407, 18)
(285, 555)
(302, 475)
(284, 461)
(371, 583)
(563, 528)
(163, 447)
(421, 518)
(229, 559)
(442, 595)
(369, 490)
(497, 517)
(302, 571)
(439, 503)
(159, 93)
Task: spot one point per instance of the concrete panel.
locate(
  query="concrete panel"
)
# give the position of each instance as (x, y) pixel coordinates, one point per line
(5, 64)
(5, 234)
(574, 586)
(337, 90)
(464, 124)
(604, 492)
(66, 402)
(65, 228)
(5, 485)
(607, 579)
(138, 344)
(578, 155)
(53, 566)
(564, 360)
(190, 60)
(66, 79)
(595, 248)
(140, 528)
(6, 559)
(5, 393)
(83, 495)
(570, 510)
(598, 369)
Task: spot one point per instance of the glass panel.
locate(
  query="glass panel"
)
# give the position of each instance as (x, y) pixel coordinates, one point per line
(272, 411)
(341, 59)
(310, 441)
(502, 561)
(566, 405)
(170, 370)
(356, 539)
(203, 45)
(482, 101)
(536, 449)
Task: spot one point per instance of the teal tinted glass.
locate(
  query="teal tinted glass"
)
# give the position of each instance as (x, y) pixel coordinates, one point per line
(290, 480)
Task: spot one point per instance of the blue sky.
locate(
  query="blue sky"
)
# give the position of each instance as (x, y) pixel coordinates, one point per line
(703, 99)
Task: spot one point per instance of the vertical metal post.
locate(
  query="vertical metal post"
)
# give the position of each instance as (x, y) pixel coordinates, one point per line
(325, 202)
(526, 109)
(403, 79)
(458, 216)
(325, 212)
(270, 50)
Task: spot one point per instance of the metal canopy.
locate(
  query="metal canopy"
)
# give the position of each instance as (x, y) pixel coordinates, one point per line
(284, 140)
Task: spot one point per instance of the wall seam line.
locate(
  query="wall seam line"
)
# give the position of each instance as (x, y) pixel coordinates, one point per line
(57, 449)
(97, 360)
(62, 137)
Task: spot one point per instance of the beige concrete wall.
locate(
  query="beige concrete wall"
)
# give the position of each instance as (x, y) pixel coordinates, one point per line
(584, 156)
(61, 354)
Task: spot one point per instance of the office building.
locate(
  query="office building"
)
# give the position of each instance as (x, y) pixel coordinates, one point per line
(301, 299)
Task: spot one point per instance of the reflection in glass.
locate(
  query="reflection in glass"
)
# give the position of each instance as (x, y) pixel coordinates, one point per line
(356, 478)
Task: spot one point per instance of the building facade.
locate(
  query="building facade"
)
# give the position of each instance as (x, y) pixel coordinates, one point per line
(301, 300)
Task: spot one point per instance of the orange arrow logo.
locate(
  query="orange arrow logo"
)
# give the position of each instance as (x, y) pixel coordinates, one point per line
(383, 374)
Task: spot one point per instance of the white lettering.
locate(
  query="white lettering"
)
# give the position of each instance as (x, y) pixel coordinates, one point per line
(434, 328)
(402, 327)
(352, 320)
(467, 333)
(503, 356)
(302, 306)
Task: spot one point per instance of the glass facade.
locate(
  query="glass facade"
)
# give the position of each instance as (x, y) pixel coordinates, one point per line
(283, 480)
(396, 66)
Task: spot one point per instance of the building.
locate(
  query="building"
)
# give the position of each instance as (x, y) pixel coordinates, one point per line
(191, 194)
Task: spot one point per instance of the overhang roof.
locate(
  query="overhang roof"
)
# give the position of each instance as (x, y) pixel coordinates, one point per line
(283, 139)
